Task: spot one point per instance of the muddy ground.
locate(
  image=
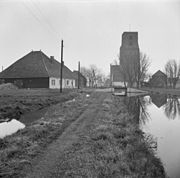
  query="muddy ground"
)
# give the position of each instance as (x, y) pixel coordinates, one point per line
(91, 136)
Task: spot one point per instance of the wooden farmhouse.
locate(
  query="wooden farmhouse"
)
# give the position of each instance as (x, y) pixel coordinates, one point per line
(37, 70)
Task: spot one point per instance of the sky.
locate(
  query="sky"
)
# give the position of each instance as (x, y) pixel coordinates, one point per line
(91, 30)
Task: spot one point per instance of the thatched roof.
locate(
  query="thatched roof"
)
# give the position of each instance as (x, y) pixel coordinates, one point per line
(36, 65)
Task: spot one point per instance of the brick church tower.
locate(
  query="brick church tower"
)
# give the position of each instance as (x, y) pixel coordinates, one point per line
(127, 72)
(129, 50)
(129, 54)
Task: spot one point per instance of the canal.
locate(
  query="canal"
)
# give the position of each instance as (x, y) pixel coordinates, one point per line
(11, 126)
(159, 117)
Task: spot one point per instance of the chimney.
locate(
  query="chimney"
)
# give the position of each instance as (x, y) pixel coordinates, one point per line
(51, 59)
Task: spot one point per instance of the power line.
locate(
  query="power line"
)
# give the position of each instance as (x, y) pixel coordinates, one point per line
(34, 15)
(31, 12)
(44, 18)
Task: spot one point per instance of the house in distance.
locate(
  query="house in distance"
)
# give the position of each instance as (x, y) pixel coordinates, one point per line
(158, 80)
(37, 70)
(82, 79)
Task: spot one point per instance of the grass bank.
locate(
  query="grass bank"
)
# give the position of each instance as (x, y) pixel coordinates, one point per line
(18, 151)
(113, 146)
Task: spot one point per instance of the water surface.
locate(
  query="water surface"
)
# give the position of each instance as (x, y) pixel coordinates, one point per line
(162, 121)
(10, 127)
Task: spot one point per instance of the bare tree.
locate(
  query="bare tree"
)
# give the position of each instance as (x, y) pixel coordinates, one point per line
(134, 71)
(93, 74)
(87, 73)
(141, 69)
(172, 70)
(115, 62)
(172, 107)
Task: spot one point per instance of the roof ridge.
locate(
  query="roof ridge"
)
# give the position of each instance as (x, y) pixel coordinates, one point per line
(44, 63)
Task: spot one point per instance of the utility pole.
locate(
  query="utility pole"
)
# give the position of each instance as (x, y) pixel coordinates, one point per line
(62, 63)
(78, 75)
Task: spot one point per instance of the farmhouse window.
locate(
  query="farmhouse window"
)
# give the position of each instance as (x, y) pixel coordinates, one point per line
(53, 82)
(67, 82)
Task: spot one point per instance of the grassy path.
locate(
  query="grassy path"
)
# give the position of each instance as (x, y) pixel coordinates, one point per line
(47, 165)
(103, 141)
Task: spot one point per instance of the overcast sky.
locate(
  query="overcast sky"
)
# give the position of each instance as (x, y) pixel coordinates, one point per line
(91, 30)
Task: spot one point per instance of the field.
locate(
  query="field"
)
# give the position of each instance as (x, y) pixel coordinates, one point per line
(93, 135)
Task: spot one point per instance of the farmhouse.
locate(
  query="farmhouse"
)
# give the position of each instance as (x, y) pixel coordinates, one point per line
(37, 70)
(159, 80)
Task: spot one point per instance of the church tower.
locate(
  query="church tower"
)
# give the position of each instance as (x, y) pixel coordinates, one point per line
(129, 50)
(126, 74)
(130, 58)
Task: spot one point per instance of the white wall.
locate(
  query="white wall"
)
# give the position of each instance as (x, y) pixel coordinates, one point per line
(69, 83)
(118, 84)
(54, 83)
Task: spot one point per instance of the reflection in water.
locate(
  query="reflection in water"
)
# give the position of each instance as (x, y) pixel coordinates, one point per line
(8, 128)
(159, 100)
(172, 107)
(137, 106)
(133, 106)
(171, 104)
(164, 125)
(162, 129)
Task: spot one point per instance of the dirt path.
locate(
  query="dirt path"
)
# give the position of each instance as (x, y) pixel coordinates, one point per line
(48, 164)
